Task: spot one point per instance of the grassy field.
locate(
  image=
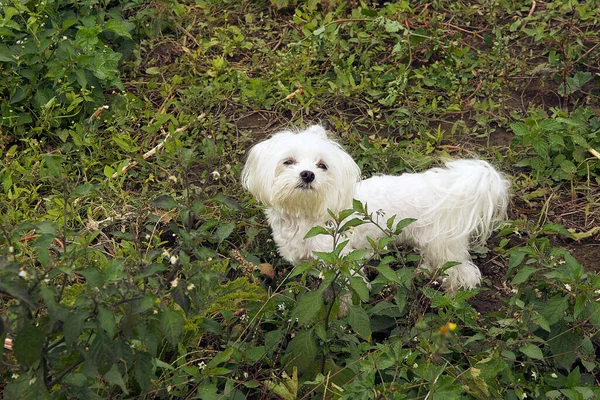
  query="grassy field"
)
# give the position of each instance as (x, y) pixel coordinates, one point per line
(133, 264)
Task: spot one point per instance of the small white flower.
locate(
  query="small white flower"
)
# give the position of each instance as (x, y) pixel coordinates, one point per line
(24, 274)
(534, 375)
(554, 375)
(175, 282)
(281, 307)
(173, 178)
(216, 175)
(201, 365)
(190, 286)
(244, 318)
(165, 253)
(15, 375)
(173, 260)
(148, 237)
(12, 250)
(568, 287)
(524, 395)
(321, 275)
(415, 365)
(32, 380)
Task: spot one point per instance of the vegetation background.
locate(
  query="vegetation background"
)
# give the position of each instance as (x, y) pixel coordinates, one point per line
(126, 274)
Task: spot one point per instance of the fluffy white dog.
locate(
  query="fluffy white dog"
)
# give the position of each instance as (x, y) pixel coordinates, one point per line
(300, 175)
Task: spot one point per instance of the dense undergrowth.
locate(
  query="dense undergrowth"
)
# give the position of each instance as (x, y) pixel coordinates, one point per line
(132, 275)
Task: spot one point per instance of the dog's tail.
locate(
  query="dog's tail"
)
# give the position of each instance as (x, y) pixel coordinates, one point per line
(475, 196)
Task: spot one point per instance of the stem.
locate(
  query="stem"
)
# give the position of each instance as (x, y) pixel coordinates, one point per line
(65, 372)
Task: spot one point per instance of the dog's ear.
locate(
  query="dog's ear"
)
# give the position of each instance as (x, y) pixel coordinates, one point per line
(259, 170)
(317, 130)
(347, 175)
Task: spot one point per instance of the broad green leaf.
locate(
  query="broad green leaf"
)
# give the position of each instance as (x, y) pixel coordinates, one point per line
(28, 345)
(388, 273)
(220, 358)
(317, 230)
(532, 351)
(143, 369)
(352, 223)
(223, 231)
(228, 201)
(520, 129)
(73, 325)
(164, 202)
(118, 27)
(172, 325)
(360, 287)
(554, 309)
(6, 54)
(308, 306)
(106, 320)
(523, 275)
(359, 321)
(101, 353)
(574, 378)
(357, 255)
(304, 349)
(113, 376)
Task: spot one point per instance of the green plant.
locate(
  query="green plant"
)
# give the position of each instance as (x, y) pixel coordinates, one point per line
(557, 147)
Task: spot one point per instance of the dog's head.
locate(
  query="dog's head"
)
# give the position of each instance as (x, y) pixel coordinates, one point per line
(303, 173)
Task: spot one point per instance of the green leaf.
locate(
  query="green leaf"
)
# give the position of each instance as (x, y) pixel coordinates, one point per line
(348, 224)
(360, 287)
(143, 369)
(403, 224)
(357, 255)
(389, 274)
(308, 306)
(118, 27)
(223, 231)
(220, 358)
(554, 309)
(230, 202)
(172, 325)
(574, 378)
(28, 345)
(359, 321)
(113, 376)
(520, 129)
(73, 326)
(317, 230)
(523, 275)
(164, 202)
(101, 353)
(304, 349)
(532, 351)
(6, 54)
(106, 320)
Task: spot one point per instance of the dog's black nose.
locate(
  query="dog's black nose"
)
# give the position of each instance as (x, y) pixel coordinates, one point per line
(307, 176)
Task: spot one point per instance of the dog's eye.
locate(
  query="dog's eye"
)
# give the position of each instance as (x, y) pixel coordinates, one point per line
(322, 166)
(288, 162)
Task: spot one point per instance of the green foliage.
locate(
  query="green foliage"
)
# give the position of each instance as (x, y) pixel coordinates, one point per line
(557, 147)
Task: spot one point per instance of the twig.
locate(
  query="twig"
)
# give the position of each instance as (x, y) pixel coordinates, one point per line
(458, 28)
(531, 10)
(152, 151)
(475, 91)
(594, 152)
(291, 95)
(97, 113)
(67, 371)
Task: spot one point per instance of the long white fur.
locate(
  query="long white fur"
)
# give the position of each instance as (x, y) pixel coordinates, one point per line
(455, 206)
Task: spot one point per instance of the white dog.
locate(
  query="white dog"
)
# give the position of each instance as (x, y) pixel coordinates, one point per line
(299, 176)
